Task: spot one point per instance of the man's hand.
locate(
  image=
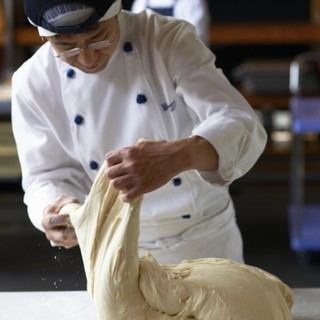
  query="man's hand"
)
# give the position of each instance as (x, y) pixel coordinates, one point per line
(140, 168)
(149, 164)
(58, 228)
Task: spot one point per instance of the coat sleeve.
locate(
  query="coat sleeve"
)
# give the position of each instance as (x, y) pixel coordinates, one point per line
(48, 168)
(222, 116)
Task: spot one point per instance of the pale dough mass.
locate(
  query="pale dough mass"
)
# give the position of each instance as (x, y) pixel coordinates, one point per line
(126, 287)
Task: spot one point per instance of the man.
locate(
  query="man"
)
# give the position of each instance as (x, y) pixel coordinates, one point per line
(142, 92)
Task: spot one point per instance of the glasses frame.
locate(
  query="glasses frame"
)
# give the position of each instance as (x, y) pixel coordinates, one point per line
(93, 46)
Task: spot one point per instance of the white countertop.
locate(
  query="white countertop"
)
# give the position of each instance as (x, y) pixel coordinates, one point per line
(306, 305)
(76, 305)
(48, 305)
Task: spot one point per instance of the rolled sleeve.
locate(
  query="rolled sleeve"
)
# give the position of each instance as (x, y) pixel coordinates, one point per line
(223, 116)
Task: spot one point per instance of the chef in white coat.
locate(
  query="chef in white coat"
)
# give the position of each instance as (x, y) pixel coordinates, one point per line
(142, 92)
(193, 11)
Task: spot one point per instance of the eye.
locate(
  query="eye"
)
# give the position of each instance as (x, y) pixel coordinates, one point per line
(66, 46)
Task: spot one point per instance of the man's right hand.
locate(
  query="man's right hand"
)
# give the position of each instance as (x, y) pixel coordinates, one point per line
(57, 227)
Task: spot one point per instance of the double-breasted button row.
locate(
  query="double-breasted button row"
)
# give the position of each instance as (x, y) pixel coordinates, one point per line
(141, 98)
(178, 182)
(79, 119)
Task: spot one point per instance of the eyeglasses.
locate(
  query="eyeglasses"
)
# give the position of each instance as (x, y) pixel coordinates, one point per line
(75, 51)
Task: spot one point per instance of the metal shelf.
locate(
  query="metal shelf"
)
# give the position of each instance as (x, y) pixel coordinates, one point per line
(304, 218)
(304, 225)
(5, 107)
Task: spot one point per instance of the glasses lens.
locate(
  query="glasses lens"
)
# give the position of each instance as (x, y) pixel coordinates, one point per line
(69, 53)
(93, 46)
(100, 45)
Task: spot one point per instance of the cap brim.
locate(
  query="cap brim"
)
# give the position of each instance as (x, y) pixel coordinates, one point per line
(112, 11)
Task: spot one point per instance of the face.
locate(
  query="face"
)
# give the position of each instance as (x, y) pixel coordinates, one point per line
(90, 59)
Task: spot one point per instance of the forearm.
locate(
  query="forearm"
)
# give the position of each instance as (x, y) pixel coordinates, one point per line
(194, 153)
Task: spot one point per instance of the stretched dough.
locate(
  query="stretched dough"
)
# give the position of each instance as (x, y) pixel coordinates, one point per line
(124, 286)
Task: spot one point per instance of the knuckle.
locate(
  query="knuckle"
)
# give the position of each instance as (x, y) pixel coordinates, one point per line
(68, 233)
(133, 152)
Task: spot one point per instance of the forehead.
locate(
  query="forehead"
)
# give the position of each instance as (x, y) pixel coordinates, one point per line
(95, 30)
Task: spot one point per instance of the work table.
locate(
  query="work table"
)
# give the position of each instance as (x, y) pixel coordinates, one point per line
(76, 305)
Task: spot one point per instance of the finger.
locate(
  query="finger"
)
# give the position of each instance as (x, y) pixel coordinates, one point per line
(113, 158)
(59, 220)
(69, 234)
(143, 140)
(123, 196)
(123, 183)
(60, 202)
(64, 237)
(128, 195)
(115, 171)
(69, 208)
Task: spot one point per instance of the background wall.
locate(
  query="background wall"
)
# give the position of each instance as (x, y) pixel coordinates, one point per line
(254, 10)
(259, 10)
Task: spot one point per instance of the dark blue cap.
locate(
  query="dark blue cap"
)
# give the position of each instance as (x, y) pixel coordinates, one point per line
(69, 16)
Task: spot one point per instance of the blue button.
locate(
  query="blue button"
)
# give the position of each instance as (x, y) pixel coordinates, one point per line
(94, 165)
(71, 73)
(186, 216)
(177, 181)
(127, 47)
(141, 98)
(78, 119)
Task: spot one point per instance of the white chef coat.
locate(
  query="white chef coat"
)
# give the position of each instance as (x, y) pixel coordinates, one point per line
(194, 11)
(161, 83)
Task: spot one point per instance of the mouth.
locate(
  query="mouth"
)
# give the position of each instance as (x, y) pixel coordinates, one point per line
(91, 69)
(100, 65)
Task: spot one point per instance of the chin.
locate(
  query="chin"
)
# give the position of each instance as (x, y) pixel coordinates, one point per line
(94, 69)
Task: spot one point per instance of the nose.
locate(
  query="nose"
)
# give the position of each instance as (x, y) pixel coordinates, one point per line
(87, 57)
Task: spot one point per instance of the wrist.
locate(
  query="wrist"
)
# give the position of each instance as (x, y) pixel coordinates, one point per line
(199, 154)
